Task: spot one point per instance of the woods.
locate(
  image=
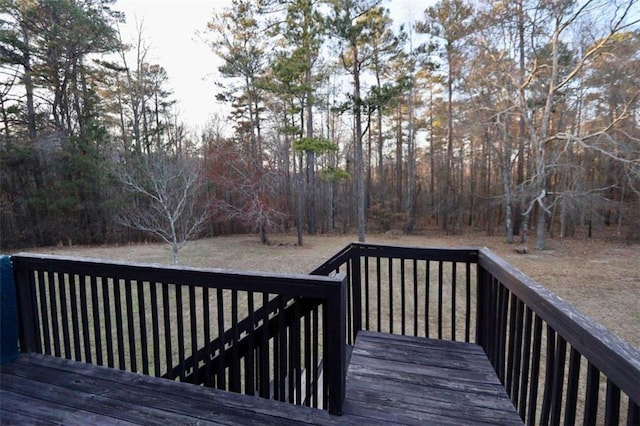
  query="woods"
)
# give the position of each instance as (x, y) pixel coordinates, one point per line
(508, 117)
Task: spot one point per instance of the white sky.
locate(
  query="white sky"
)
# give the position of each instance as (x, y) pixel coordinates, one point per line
(170, 29)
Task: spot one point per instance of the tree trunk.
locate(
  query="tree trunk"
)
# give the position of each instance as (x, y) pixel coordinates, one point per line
(300, 202)
(357, 100)
(541, 228)
(506, 183)
(411, 166)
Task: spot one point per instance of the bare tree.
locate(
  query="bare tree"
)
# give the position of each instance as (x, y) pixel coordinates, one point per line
(246, 191)
(167, 201)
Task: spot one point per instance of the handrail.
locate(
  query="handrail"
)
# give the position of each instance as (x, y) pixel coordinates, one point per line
(133, 316)
(534, 339)
(610, 354)
(527, 332)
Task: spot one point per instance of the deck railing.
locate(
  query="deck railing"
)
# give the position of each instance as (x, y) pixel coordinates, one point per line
(557, 365)
(276, 336)
(272, 335)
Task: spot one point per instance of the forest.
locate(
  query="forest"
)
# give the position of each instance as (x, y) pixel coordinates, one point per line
(519, 118)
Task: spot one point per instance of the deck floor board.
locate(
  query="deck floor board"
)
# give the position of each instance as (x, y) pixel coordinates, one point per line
(66, 392)
(391, 380)
(413, 380)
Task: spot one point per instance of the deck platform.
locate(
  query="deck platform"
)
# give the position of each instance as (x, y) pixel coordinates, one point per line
(413, 380)
(391, 380)
(47, 390)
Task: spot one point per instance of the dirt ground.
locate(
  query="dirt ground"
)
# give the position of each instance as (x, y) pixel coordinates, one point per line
(600, 278)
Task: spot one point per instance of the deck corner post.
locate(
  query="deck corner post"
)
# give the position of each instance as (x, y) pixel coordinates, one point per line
(482, 308)
(335, 352)
(356, 289)
(8, 312)
(27, 308)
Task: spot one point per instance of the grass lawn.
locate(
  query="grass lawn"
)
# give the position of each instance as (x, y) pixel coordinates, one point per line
(600, 278)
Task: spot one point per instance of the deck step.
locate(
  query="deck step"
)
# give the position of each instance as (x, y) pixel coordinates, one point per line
(415, 380)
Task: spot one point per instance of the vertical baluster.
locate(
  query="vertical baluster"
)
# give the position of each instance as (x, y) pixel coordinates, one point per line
(264, 350)
(220, 379)
(440, 285)
(166, 313)
(572, 387)
(366, 292)
(250, 363)
(130, 326)
(117, 304)
(74, 321)
(501, 330)
(519, 306)
(294, 357)
(535, 370)
(283, 350)
(512, 346)
(155, 327)
(558, 380)
(591, 397)
(234, 374)
(206, 326)
(97, 327)
(415, 297)
(44, 312)
(427, 279)
(64, 313)
(350, 273)
(193, 332)
(612, 404)
(403, 308)
(106, 305)
(84, 316)
(453, 300)
(316, 361)
(180, 324)
(547, 399)
(526, 357)
(467, 312)
(307, 353)
(633, 414)
(390, 271)
(325, 353)
(379, 290)
(142, 319)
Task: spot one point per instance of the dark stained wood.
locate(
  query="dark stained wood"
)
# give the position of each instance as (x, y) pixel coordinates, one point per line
(615, 358)
(414, 380)
(43, 389)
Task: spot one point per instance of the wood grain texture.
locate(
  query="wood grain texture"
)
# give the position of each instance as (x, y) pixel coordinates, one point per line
(42, 389)
(413, 380)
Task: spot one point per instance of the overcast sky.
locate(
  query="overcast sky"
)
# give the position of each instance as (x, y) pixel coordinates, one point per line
(171, 28)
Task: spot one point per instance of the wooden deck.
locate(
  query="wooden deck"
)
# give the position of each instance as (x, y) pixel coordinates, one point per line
(48, 390)
(391, 380)
(412, 380)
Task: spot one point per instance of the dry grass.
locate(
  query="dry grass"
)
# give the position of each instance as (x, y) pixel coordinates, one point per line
(600, 278)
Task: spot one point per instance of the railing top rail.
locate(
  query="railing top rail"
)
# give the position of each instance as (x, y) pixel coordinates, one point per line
(445, 254)
(334, 261)
(286, 284)
(610, 354)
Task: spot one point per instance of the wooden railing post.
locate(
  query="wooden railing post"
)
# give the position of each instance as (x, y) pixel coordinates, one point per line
(335, 351)
(356, 291)
(26, 300)
(8, 312)
(482, 311)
